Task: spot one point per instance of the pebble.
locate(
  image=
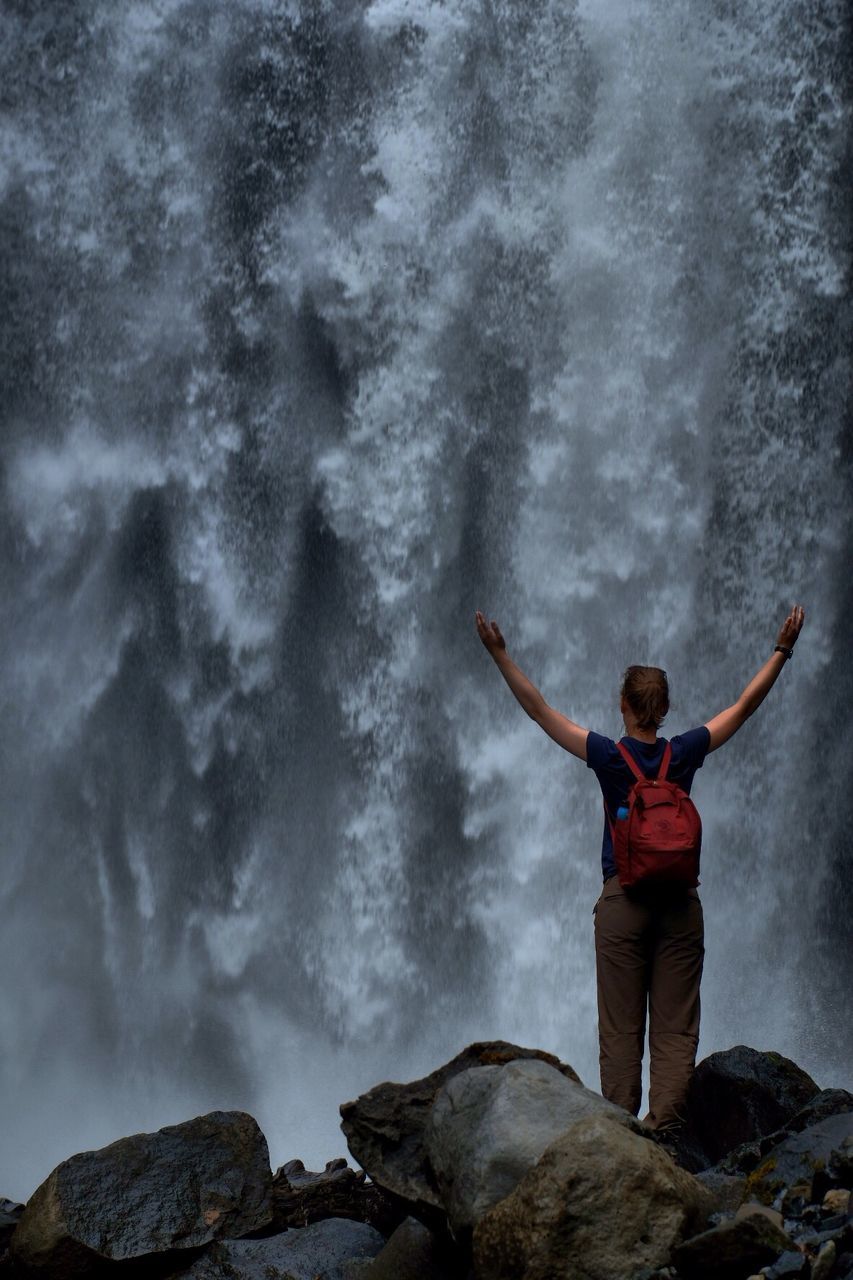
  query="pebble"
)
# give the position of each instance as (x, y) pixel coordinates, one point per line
(824, 1262)
(837, 1200)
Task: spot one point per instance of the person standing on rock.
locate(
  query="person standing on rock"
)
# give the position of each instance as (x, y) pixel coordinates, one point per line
(649, 939)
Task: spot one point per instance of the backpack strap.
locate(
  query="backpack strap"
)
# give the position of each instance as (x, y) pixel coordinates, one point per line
(635, 768)
(664, 764)
(629, 760)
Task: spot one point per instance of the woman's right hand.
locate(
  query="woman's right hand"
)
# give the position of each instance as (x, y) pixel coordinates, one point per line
(791, 627)
(490, 635)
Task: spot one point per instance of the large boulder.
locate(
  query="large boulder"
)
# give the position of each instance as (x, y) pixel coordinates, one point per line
(334, 1249)
(602, 1203)
(489, 1125)
(178, 1188)
(384, 1128)
(737, 1096)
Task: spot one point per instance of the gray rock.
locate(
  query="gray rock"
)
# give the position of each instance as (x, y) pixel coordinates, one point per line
(178, 1188)
(726, 1189)
(384, 1128)
(732, 1250)
(802, 1157)
(489, 1125)
(412, 1253)
(788, 1264)
(737, 1096)
(602, 1203)
(324, 1250)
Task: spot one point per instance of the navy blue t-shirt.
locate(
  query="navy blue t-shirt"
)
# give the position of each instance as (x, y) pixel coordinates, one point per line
(616, 779)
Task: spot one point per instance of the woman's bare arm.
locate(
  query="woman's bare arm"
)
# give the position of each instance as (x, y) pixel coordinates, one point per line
(564, 731)
(729, 721)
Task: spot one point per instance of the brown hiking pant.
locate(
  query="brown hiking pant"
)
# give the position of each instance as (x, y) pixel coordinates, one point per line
(649, 948)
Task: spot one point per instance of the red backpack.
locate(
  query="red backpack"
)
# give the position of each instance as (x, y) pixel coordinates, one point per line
(660, 839)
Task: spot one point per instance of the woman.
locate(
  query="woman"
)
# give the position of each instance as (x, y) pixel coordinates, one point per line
(648, 940)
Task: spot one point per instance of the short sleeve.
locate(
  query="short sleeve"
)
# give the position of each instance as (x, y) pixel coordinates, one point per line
(599, 750)
(693, 746)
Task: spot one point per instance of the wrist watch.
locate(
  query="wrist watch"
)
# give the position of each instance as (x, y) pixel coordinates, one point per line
(780, 648)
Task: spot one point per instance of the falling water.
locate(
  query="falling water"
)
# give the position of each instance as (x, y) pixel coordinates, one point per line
(324, 324)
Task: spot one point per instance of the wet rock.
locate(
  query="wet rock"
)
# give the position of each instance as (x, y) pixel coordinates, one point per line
(840, 1233)
(829, 1102)
(726, 1190)
(178, 1188)
(802, 1158)
(739, 1095)
(838, 1170)
(415, 1253)
(384, 1128)
(10, 1215)
(732, 1249)
(489, 1125)
(328, 1250)
(602, 1203)
(796, 1200)
(824, 1262)
(300, 1197)
(746, 1158)
(788, 1264)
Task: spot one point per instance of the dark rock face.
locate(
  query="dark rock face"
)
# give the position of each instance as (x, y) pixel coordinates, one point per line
(178, 1188)
(300, 1197)
(731, 1250)
(384, 1128)
(331, 1249)
(817, 1155)
(746, 1158)
(736, 1097)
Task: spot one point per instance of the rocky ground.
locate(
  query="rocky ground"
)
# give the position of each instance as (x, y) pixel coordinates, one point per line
(499, 1165)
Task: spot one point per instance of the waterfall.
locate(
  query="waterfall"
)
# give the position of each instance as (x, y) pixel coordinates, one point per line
(325, 323)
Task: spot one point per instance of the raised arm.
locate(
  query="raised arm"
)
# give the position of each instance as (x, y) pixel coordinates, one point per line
(729, 721)
(564, 731)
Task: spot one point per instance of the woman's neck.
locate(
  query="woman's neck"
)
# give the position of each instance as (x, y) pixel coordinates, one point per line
(642, 735)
